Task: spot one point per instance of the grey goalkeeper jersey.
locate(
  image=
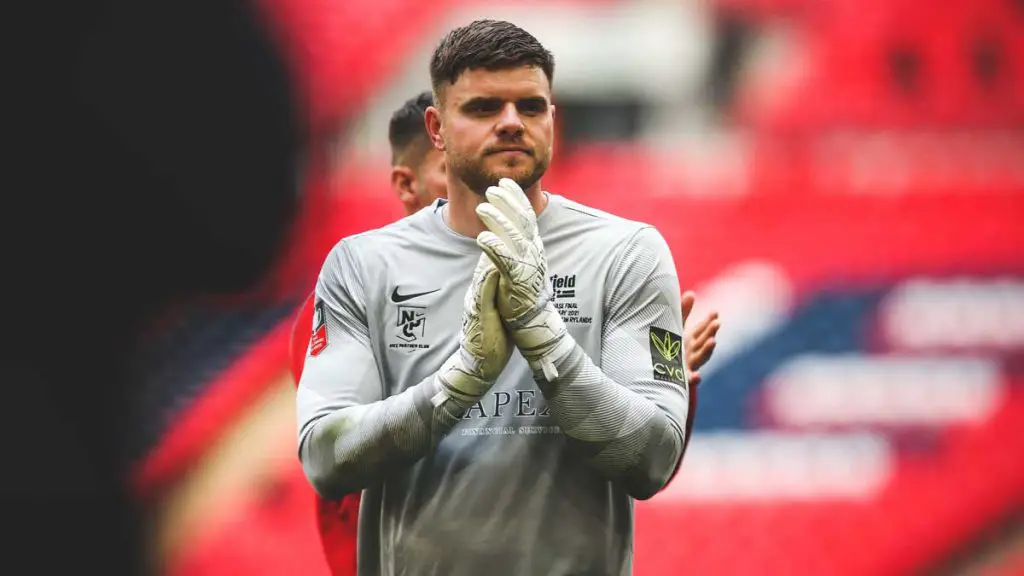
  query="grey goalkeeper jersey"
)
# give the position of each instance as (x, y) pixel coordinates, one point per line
(537, 478)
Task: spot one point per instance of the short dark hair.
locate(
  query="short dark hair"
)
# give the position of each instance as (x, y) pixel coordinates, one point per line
(407, 126)
(487, 44)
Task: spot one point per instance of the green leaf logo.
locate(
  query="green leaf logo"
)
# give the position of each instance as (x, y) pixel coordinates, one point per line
(668, 348)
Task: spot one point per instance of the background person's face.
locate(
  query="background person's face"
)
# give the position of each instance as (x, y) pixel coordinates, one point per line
(431, 182)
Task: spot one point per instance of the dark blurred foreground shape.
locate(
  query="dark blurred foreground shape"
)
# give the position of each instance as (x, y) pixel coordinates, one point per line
(158, 153)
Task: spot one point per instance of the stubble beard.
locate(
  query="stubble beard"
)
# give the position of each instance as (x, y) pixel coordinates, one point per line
(477, 178)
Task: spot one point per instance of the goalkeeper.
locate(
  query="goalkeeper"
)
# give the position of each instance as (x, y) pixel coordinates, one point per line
(500, 374)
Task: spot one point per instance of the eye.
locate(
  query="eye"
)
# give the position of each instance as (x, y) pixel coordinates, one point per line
(532, 106)
(482, 106)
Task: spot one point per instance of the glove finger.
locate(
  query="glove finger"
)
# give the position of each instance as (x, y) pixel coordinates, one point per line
(483, 265)
(497, 252)
(489, 290)
(476, 280)
(516, 192)
(500, 225)
(523, 218)
(511, 191)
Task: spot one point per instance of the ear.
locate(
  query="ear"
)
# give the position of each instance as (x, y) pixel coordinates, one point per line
(401, 185)
(552, 111)
(432, 120)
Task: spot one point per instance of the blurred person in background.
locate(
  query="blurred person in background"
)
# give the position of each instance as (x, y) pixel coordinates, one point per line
(418, 179)
(469, 467)
(417, 168)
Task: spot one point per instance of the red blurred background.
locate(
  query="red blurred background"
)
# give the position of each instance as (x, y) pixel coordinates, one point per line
(842, 179)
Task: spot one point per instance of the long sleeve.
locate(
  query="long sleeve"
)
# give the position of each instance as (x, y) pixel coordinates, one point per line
(350, 433)
(627, 417)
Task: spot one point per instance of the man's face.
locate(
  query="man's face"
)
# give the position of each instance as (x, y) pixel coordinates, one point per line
(498, 124)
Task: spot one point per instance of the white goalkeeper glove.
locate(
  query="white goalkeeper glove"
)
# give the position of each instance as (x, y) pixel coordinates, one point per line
(484, 346)
(514, 246)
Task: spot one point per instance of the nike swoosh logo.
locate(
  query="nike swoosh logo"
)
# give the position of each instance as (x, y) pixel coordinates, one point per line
(399, 298)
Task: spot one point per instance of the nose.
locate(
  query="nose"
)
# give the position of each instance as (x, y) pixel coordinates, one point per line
(509, 121)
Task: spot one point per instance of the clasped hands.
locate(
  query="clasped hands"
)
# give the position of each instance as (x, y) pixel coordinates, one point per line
(508, 302)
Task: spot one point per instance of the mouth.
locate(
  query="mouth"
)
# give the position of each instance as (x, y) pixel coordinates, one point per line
(525, 151)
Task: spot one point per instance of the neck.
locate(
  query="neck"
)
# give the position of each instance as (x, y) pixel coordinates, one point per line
(460, 214)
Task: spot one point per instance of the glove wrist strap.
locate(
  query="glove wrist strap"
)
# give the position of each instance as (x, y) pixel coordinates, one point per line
(455, 381)
(543, 364)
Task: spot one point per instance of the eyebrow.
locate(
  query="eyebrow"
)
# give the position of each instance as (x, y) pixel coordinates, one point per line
(480, 101)
(533, 100)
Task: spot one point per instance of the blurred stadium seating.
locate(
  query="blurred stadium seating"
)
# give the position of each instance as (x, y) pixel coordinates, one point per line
(856, 213)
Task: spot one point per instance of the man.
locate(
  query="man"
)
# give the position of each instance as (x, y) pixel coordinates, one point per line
(417, 168)
(418, 178)
(474, 459)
